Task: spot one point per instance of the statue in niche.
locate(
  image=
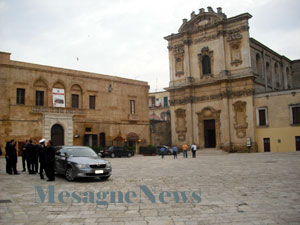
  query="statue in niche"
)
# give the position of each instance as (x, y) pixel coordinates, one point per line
(240, 118)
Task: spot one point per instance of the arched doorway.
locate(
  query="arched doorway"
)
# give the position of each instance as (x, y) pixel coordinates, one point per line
(57, 135)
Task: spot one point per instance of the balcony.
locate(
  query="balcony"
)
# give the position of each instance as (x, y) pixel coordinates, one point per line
(133, 117)
(42, 109)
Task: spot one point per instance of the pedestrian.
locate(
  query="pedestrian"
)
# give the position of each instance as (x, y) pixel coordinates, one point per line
(30, 157)
(194, 149)
(35, 156)
(185, 147)
(41, 156)
(175, 151)
(162, 152)
(23, 150)
(50, 161)
(8, 164)
(12, 157)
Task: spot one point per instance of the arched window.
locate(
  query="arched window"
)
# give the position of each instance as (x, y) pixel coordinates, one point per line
(258, 65)
(268, 73)
(288, 77)
(277, 76)
(206, 65)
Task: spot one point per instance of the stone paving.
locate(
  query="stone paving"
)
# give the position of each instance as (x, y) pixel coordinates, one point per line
(255, 188)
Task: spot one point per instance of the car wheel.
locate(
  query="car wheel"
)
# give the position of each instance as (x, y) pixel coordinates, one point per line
(129, 154)
(113, 155)
(105, 178)
(69, 174)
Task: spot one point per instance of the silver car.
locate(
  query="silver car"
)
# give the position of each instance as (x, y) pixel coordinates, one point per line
(80, 161)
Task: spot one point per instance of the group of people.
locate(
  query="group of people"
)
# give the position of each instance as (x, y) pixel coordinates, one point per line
(39, 157)
(185, 149)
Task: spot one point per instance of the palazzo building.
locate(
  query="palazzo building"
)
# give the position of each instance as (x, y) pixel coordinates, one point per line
(70, 107)
(230, 91)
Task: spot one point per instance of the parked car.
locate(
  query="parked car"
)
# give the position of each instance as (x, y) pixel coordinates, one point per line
(80, 161)
(168, 150)
(116, 151)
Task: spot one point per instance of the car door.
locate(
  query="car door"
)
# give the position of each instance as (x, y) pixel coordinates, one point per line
(60, 161)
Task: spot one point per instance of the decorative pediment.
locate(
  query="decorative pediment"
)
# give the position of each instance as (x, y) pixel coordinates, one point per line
(202, 20)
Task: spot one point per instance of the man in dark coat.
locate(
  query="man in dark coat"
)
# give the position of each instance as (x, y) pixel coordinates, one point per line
(12, 157)
(42, 158)
(8, 164)
(36, 156)
(24, 155)
(50, 161)
(30, 150)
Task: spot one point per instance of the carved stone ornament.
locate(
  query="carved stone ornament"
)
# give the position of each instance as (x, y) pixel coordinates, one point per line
(178, 49)
(234, 35)
(236, 58)
(240, 118)
(180, 124)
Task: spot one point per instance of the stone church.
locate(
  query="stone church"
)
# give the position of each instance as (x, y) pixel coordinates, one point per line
(70, 107)
(228, 90)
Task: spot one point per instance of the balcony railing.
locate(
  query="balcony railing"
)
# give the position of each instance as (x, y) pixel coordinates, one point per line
(41, 109)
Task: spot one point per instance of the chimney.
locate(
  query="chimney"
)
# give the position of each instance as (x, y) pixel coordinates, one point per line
(219, 10)
(184, 20)
(202, 10)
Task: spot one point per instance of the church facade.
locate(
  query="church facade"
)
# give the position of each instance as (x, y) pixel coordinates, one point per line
(228, 90)
(70, 107)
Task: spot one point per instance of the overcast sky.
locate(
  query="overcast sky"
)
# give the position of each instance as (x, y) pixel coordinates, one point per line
(125, 37)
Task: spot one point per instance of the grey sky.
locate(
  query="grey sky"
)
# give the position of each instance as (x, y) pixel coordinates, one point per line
(125, 37)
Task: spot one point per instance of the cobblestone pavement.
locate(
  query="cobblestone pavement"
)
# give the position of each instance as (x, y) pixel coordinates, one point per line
(256, 188)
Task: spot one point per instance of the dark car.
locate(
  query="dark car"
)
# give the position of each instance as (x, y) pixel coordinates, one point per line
(168, 151)
(80, 161)
(116, 151)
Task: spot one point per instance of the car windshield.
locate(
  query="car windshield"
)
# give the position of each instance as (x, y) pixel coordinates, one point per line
(81, 152)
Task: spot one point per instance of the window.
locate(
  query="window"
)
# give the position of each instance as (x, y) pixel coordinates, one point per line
(75, 101)
(295, 114)
(166, 101)
(152, 101)
(262, 116)
(20, 96)
(132, 106)
(39, 98)
(258, 65)
(92, 102)
(206, 65)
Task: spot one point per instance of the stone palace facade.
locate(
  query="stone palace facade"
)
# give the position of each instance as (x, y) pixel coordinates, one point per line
(70, 107)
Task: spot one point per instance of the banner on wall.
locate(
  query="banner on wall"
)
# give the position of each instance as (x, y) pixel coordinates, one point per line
(58, 97)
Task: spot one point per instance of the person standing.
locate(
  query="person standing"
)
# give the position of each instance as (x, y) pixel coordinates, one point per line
(194, 149)
(162, 152)
(35, 156)
(8, 164)
(50, 161)
(175, 151)
(41, 156)
(30, 157)
(13, 157)
(23, 149)
(185, 148)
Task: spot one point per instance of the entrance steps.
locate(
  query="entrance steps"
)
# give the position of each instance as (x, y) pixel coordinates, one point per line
(211, 151)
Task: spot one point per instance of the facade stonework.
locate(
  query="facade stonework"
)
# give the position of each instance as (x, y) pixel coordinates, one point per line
(216, 72)
(99, 109)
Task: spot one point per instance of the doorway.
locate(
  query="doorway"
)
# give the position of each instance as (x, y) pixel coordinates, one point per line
(267, 147)
(297, 138)
(57, 135)
(209, 133)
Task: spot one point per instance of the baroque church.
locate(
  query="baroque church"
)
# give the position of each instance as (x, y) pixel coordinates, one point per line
(230, 91)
